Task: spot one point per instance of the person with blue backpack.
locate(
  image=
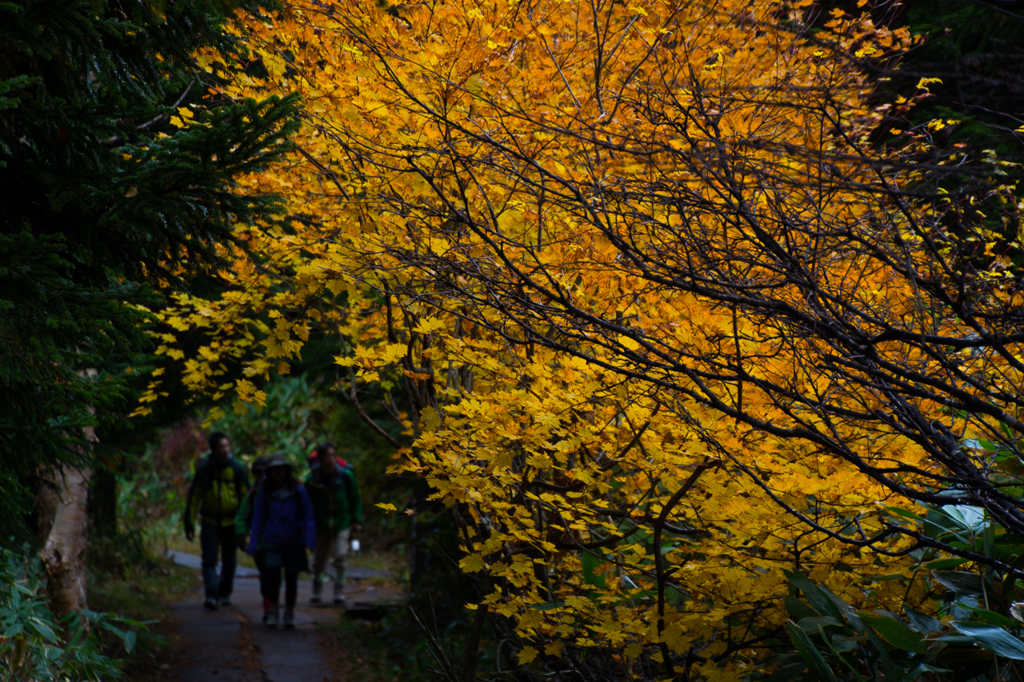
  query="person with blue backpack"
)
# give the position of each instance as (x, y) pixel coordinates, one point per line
(283, 526)
(338, 508)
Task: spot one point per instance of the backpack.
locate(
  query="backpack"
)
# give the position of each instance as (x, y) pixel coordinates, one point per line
(342, 464)
(348, 475)
(344, 468)
(204, 468)
(266, 506)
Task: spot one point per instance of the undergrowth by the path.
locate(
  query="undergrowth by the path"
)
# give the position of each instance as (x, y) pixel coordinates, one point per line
(380, 651)
(143, 590)
(105, 642)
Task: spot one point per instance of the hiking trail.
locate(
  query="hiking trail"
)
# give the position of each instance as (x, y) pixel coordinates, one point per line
(231, 644)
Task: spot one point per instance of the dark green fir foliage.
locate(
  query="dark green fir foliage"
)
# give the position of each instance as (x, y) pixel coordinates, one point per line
(976, 50)
(101, 197)
(971, 54)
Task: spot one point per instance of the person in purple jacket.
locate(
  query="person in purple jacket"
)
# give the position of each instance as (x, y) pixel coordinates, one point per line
(283, 521)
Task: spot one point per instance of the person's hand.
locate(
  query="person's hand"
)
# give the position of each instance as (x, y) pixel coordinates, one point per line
(190, 532)
(243, 544)
(357, 527)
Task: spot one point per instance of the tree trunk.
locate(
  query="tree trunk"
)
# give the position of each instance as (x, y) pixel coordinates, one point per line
(62, 514)
(61, 508)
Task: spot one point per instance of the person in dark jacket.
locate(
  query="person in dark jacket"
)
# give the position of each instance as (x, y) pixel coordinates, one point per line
(283, 522)
(243, 524)
(219, 485)
(339, 510)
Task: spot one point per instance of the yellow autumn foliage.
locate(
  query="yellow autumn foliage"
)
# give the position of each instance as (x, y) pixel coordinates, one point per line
(586, 248)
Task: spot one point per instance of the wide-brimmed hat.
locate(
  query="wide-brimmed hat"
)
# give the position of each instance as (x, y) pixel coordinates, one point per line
(277, 460)
(260, 464)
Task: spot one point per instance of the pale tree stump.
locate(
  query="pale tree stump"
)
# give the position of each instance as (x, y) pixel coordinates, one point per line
(62, 507)
(63, 524)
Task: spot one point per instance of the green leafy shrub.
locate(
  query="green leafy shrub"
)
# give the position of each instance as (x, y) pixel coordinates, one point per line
(35, 645)
(287, 423)
(116, 553)
(150, 493)
(974, 632)
(149, 506)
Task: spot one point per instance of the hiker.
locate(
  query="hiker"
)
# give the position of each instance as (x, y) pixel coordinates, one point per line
(219, 484)
(314, 458)
(283, 522)
(243, 524)
(339, 510)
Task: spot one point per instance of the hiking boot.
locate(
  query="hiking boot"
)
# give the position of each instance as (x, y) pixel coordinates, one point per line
(272, 616)
(289, 619)
(266, 609)
(210, 604)
(318, 589)
(339, 594)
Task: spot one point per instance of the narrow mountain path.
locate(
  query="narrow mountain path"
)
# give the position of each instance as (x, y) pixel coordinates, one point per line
(232, 644)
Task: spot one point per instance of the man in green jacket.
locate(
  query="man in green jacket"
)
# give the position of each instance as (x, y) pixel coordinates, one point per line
(339, 510)
(219, 485)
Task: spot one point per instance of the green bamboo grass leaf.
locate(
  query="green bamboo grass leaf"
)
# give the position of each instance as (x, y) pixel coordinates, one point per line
(815, 595)
(894, 632)
(993, 638)
(924, 623)
(883, 654)
(960, 582)
(815, 661)
(945, 563)
(813, 623)
(799, 610)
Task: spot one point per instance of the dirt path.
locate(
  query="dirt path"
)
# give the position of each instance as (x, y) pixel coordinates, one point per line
(232, 644)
